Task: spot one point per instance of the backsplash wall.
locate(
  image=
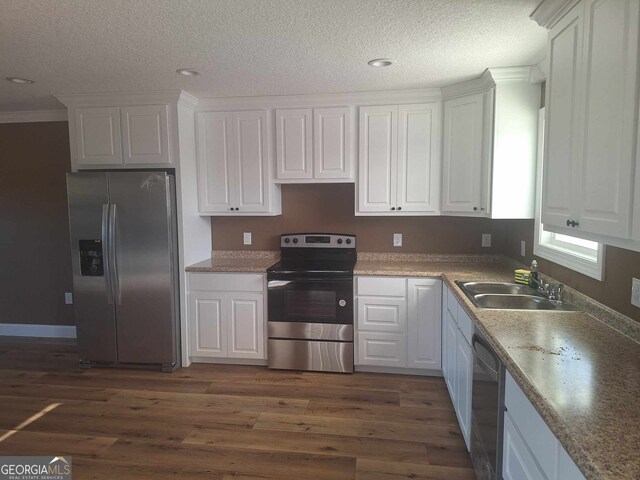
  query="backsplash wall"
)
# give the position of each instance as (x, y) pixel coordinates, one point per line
(620, 267)
(330, 208)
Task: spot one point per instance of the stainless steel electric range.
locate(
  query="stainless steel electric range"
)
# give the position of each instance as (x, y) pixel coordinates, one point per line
(310, 303)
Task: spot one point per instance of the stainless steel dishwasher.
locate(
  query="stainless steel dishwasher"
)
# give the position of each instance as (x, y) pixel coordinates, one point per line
(487, 409)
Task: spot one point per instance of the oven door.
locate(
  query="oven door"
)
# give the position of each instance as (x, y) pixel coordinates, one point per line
(308, 299)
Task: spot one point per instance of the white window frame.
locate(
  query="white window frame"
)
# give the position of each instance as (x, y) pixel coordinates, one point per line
(547, 245)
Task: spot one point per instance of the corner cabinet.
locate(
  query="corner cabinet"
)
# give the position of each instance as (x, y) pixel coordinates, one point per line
(235, 175)
(399, 160)
(314, 145)
(398, 323)
(591, 120)
(490, 139)
(226, 317)
(127, 136)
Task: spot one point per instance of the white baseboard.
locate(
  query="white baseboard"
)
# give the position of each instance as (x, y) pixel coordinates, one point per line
(30, 330)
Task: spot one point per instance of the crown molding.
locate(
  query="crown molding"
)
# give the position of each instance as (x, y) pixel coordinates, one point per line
(510, 74)
(470, 87)
(327, 99)
(549, 12)
(123, 99)
(188, 100)
(29, 116)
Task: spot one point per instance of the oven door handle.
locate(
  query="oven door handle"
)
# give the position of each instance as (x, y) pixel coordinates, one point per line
(278, 283)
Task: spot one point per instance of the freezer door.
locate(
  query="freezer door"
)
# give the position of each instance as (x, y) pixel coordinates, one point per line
(142, 225)
(88, 199)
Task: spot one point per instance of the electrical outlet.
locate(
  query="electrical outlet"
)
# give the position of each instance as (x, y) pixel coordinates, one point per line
(397, 239)
(523, 248)
(635, 292)
(486, 240)
(247, 238)
(68, 298)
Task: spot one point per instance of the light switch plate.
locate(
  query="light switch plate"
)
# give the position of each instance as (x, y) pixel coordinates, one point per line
(247, 238)
(486, 240)
(397, 239)
(523, 248)
(635, 292)
(68, 298)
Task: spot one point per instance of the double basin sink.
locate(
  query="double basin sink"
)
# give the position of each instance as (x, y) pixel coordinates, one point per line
(509, 296)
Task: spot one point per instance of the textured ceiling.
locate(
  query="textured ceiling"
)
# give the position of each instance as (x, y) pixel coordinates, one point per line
(255, 47)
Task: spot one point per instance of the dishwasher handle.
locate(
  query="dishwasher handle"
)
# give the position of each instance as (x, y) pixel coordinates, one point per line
(488, 369)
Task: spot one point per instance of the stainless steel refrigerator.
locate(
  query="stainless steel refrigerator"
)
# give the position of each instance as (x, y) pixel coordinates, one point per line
(125, 269)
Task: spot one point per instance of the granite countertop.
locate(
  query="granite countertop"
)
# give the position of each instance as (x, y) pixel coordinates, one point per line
(581, 375)
(236, 261)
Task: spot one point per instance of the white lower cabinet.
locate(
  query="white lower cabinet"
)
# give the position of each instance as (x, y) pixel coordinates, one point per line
(530, 450)
(457, 360)
(398, 322)
(225, 323)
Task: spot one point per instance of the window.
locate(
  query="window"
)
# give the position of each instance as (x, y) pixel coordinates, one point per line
(583, 256)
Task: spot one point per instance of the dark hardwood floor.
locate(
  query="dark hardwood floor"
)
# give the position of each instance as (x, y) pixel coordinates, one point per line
(224, 422)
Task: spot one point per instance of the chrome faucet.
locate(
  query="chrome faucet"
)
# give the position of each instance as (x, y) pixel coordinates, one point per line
(557, 293)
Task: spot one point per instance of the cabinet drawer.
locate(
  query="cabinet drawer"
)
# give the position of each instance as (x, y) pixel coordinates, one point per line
(452, 304)
(382, 314)
(465, 324)
(382, 286)
(524, 416)
(226, 282)
(382, 349)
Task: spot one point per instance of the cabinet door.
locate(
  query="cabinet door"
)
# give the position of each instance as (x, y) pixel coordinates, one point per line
(382, 314)
(98, 139)
(517, 461)
(419, 158)
(450, 345)
(246, 325)
(423, 324)
(294, 147)
(377, 164)
(382, 349)
(561, 156)
(215, 156)
(463, 154)
(207, 324)
(464, 380)
(252, 161)
(144, 135)
(332, 143)
(609, 90)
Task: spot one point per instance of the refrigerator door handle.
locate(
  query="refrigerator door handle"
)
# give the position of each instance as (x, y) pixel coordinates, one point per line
(113, 256)
(106, 254)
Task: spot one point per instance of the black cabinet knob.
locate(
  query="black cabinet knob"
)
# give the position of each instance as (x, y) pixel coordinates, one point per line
(231, 209)
(399, 208)
(393, 208)
(568, 223)
(475, 209)
(237, 209)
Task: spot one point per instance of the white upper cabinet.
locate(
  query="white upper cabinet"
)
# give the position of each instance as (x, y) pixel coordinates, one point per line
(463, 154)
(234, 167)
(131, 136)
(294, 143)
(97, 135)
(490, 145)
(313, 145)
(144, 135)
(591, 125)
(399, 163)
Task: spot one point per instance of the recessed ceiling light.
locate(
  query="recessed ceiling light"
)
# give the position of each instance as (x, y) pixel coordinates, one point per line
(379, 62)
(188, 72)
(23, 81)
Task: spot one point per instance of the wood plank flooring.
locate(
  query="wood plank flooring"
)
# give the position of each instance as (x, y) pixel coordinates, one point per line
(225, 422)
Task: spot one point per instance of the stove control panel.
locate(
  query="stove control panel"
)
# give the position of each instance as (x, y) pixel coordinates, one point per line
(317, 240)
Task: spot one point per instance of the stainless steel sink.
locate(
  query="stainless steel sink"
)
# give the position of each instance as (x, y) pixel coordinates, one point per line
(475, 288)
(509, 296)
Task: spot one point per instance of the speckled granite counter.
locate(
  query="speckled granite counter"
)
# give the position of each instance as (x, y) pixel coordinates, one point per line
(582, 376)
(236, 261)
